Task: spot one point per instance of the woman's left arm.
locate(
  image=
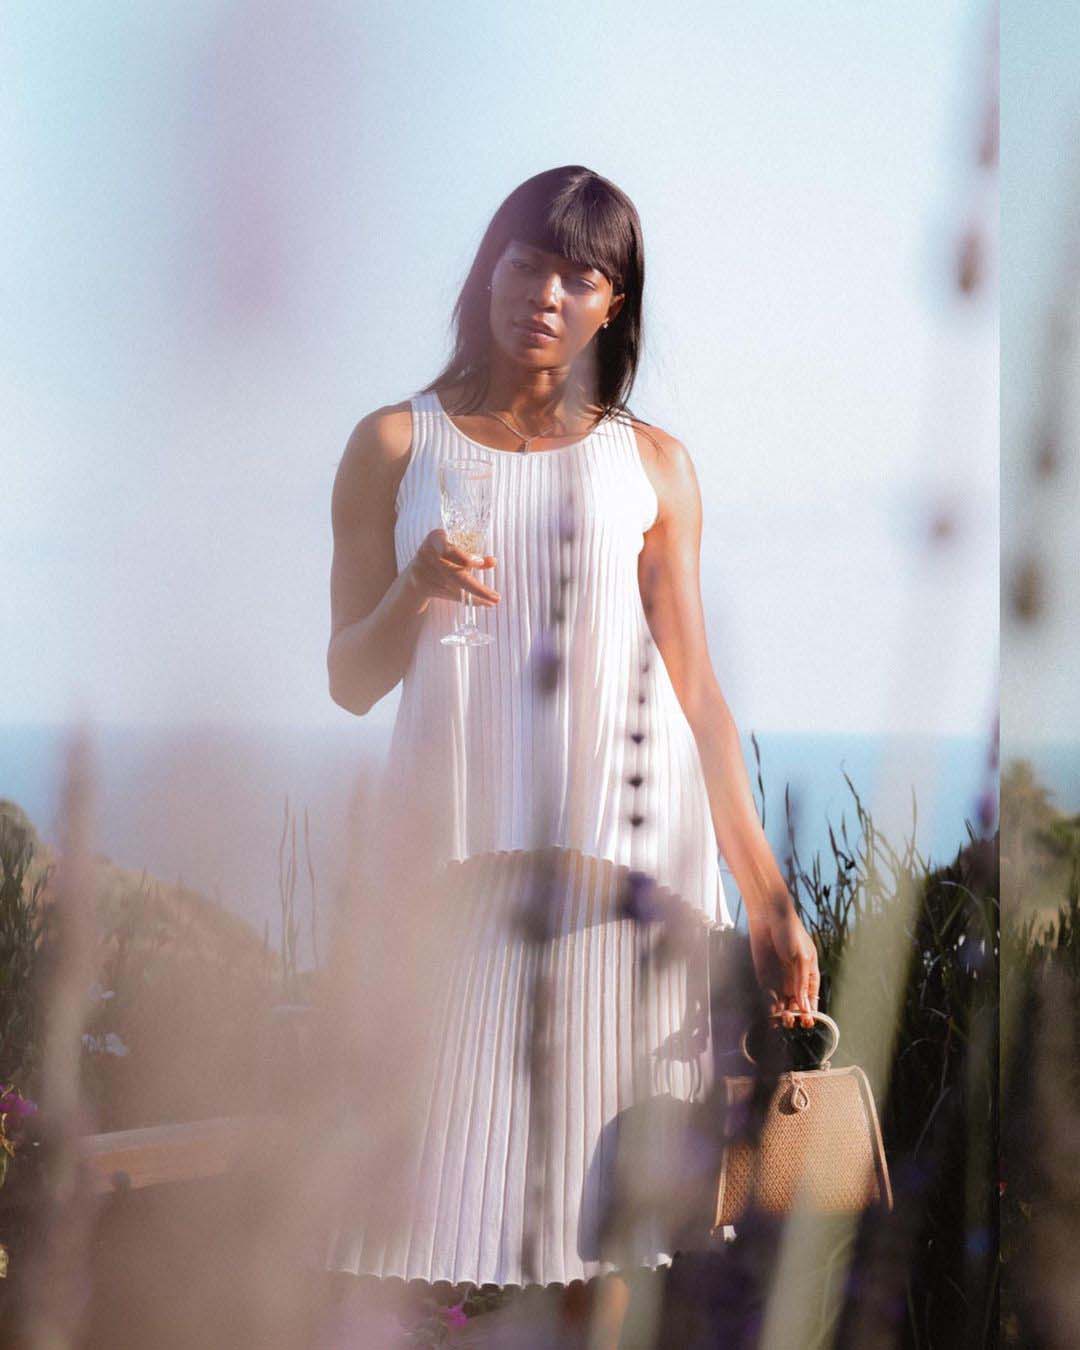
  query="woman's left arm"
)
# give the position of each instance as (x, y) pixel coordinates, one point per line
(784, 955)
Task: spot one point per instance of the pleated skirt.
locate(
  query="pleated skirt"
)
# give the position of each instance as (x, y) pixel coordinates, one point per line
(566, 1046)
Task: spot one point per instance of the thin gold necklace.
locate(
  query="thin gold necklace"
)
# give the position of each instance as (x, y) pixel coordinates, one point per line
(525, 440)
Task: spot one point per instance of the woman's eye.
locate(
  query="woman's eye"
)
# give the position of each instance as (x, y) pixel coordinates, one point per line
(520, 265)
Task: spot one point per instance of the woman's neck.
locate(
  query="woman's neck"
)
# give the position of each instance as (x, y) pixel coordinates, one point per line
(536, 401)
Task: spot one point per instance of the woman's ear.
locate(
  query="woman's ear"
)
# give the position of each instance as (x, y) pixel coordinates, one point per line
(615, 306)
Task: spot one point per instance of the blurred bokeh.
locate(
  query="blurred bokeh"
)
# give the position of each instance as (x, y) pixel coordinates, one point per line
(232, 230)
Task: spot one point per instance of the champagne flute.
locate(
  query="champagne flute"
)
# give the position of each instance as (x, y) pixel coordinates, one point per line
(465, 493)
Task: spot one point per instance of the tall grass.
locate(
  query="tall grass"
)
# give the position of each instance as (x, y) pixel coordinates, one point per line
(927, 1272)
(925, 1275)
(22, 921)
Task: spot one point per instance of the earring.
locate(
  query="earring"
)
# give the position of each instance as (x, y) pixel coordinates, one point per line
(605, 323)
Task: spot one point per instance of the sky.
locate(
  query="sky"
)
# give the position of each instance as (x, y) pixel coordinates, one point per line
(231, 230)
(1040, 242)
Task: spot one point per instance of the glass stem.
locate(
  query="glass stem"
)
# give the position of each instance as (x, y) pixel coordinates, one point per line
(470, 615)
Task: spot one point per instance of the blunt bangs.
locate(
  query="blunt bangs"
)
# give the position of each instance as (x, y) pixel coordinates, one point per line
(583, 225)
(574, 212)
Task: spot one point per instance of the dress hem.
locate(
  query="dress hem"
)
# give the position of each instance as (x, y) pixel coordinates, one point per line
(663, 1263)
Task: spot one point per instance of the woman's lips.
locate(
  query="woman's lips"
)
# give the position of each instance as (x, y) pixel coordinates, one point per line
(536, 335)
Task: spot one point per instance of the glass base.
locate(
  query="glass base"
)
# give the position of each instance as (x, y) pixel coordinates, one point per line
(466, 637)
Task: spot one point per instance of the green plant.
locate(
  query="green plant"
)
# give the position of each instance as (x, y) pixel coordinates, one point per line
(1040, 1009)
(925, 941)
(291, 983)
(21, 928)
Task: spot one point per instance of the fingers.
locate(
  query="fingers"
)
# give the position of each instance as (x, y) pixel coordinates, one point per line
(801, 988)
(445, 571)
(790, 1008)
(462, 557)
(808, 987)
(461, 582)
(450, 586)
(783, 1007)
(804, 964)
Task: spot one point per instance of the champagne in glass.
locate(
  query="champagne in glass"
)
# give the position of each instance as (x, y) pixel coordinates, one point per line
(465, 493)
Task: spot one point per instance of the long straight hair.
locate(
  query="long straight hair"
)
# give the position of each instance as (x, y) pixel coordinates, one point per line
(578, 214)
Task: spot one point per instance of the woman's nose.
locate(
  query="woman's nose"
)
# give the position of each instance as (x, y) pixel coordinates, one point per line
(547, 290)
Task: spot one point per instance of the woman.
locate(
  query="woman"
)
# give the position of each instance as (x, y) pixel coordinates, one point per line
(569, 783)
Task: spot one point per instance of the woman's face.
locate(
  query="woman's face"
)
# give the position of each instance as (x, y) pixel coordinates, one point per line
(531, 288)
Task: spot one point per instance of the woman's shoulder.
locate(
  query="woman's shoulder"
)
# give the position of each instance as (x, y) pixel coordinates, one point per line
(376, 453)
(658, 448)
(667, 466)
(384, 432)
(380, 441)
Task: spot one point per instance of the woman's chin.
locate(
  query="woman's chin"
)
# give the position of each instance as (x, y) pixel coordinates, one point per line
(533, 358)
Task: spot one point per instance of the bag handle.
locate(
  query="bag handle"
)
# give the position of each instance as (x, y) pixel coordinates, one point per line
(818, 1016)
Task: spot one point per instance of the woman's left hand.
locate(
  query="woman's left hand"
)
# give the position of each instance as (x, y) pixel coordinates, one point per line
(786, 964)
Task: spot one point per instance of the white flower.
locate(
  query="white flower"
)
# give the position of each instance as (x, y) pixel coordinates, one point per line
(109, 1044)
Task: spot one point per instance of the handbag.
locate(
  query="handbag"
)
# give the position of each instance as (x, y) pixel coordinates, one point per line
(819, 1144)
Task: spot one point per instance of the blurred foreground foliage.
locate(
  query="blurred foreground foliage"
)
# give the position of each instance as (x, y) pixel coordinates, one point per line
(909, 954)
(180, 1005)
(984, 1008)
(980, 958)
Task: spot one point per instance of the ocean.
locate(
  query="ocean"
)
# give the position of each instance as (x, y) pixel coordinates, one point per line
(206, 805)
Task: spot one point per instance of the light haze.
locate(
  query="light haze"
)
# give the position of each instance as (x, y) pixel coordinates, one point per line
(231, 230)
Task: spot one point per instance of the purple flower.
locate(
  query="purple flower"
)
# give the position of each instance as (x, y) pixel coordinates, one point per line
(547, 663)
(639, 900)
(14, 1104)
(454, 1316)
(987, 809)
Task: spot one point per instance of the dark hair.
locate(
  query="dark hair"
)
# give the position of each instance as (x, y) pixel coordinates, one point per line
(574, 212)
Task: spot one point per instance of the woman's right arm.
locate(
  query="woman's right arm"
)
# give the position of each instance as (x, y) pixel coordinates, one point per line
(377, 612)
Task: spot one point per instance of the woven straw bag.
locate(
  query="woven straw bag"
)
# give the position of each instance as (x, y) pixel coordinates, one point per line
(820, 1143)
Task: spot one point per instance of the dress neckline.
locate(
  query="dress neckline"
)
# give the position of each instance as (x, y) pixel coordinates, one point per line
(511, 454)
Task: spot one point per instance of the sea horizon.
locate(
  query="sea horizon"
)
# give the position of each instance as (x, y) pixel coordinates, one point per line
(204, 803)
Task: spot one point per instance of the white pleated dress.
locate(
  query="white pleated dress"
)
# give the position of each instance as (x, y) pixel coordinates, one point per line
(557, 751)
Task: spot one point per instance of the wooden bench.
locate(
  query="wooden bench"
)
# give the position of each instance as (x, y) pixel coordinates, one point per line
(158, 1155)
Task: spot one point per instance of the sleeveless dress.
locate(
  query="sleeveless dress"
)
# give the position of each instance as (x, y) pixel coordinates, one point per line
(557, 778)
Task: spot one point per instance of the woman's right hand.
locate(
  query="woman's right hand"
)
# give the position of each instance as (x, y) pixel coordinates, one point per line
(440, 570)
(786, 962)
